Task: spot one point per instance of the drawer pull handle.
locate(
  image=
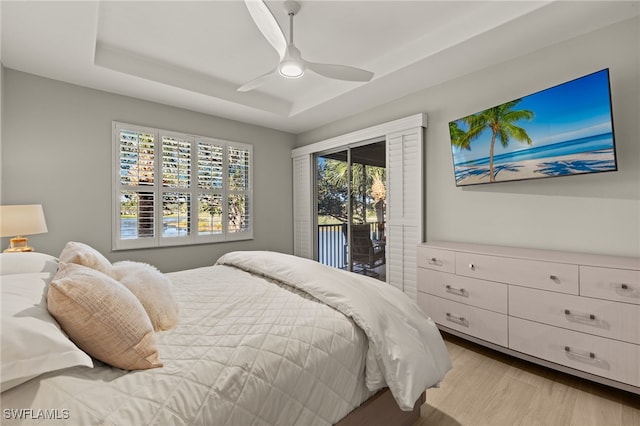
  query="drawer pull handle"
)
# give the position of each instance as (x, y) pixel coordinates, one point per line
(583, 316)
(568, 350)
(434, 261)
(553, 277)
(454, 318)
(472, 266)
(460, 291)
(624, 286)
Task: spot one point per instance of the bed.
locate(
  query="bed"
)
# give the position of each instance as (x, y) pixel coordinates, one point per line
(263, 338)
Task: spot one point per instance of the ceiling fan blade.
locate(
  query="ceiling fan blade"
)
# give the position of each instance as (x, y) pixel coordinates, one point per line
(267, 24)
(257, 81)
(340, 72)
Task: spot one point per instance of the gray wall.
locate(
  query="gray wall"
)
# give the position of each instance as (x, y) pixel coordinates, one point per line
(590, 213)
(56, 151)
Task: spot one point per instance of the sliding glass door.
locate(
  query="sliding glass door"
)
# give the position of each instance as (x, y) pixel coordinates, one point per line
(351, 208)
(332, 192)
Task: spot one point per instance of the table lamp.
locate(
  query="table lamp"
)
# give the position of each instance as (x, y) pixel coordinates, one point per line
(19, 220)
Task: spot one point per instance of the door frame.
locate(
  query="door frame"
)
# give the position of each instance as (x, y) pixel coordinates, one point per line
(405, 219)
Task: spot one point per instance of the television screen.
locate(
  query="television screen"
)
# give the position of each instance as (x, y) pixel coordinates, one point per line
(564, 130)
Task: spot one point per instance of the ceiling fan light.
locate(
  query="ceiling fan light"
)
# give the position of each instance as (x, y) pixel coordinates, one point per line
(291, 69)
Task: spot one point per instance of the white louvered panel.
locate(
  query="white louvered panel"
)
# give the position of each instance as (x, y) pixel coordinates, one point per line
(138, 207)
(302, 247)
(302, 207)
(394, 179)
(409, 261)
(176, 162)
(136, 157)
(302, 189)
(239, 208)
(210, 220)
(395, 269)
(412, 179)
(175, 214)
(404, 214)
(395, 247)
(210, 165)
(239, 160)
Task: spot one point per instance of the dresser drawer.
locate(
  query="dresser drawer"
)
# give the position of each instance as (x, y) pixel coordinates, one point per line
(597, 355)
(436, 259)
(470, 291)
(559, 277)
(480, 323)
(604, 318)
(622, 285)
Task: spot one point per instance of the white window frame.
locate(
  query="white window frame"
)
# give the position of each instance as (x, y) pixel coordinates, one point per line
(158, 189)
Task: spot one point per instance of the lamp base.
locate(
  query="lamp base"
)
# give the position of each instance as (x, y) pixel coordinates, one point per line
(18, 250)
(18, 245)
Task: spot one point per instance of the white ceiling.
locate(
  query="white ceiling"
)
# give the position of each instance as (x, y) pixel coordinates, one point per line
(195, 54)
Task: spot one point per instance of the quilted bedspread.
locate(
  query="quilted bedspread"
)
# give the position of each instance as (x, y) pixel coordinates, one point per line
(246, 351)
(252, 350)
(405, 351)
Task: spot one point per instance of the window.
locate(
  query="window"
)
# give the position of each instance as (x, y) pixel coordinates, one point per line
(172, 188)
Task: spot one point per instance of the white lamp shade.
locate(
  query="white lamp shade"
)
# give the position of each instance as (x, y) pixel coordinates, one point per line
(22, 220)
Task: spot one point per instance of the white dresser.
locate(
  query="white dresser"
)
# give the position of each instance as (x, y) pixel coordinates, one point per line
(578, 313)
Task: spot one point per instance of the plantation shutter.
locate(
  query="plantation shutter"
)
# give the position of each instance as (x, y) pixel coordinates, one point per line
(239, 191)
(404, 208)
(303, 210)
(210, 193)
(135, 199)
(173, 188)
(177, 192)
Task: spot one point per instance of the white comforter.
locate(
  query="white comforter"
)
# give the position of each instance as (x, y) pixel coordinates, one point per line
(253, 351)
(406, 351)
(246, 351)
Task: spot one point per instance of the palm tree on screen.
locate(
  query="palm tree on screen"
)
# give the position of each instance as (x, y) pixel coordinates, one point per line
(500, 120)
(458, 136)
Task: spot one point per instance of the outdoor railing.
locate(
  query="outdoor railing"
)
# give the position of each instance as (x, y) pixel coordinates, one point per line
(332, 244)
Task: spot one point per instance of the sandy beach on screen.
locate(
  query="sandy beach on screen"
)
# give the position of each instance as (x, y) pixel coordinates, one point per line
(527, 169)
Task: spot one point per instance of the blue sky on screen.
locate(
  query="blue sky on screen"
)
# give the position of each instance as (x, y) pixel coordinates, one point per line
(572, 110)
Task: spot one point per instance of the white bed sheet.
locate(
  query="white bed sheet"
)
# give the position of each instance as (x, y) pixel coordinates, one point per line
(246, 351)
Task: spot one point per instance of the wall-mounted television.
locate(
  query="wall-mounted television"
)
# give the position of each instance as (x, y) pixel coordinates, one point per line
(563, 130)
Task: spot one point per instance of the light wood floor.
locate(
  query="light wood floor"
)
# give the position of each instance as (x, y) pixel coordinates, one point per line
(486, 387)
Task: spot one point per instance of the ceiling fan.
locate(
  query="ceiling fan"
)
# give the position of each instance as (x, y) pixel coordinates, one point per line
(292, 65)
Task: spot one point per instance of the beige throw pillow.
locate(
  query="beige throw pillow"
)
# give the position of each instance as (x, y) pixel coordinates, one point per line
(85, 255)
(152, 288)
(103, 318)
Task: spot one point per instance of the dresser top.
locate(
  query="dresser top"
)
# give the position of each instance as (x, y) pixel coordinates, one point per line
(538, 254)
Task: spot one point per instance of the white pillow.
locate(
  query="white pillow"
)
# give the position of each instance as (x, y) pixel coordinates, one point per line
(24, 263)
(31, 341)
(85, 255)
(152, 288)
(102, 317)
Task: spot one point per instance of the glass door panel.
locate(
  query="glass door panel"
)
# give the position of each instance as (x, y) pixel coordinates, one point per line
(351, 209)
(368, 208)
(332, 189)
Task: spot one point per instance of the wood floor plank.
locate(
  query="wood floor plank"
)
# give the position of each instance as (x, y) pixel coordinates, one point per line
(593, 408)
(551, 404)
(489, 388)
(506, 402)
